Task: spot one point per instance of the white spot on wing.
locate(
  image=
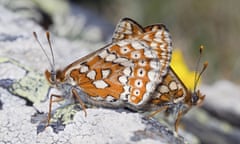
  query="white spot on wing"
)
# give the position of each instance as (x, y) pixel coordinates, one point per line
(97, 98)
(163, 89)
(155, 64)
(159, 33)
(127, 63)
(91, 75)
(126, 88)
(159, 40)
(133, 98)
(128, 29)
(122, 43)
(173, 85)
(83, 69)
(166, 34)
(150, 54)
(154, 44)
(105, 73)
(123, 79)
(155, 28)
(100, 84)
(147, 38)
(150, 86)
(138, 45)
(124, 96)
(127, 71)
(103, 54)
(163, 48)
(110, 57)
(153, 75)
(120, 60)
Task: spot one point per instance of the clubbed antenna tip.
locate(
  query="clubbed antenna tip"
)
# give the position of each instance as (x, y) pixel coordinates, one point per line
(205, 65)
(48, 35)
(50, 45)
(201, 49)
(52, 63)
(35, 35)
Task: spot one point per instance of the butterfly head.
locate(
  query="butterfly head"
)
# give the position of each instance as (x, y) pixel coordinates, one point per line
(196, 98)
(54, 77)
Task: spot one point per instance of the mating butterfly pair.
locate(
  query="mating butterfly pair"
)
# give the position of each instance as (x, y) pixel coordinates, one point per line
(133, 71)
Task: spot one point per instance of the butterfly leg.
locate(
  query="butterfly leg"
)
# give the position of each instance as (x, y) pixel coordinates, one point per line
(60, 98)
(158, 111)
(179, 116)
(75, 94)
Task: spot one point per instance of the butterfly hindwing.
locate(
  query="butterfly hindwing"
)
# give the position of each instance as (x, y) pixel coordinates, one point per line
(170, 91)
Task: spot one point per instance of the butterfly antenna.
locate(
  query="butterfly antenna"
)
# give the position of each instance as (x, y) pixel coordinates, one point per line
(50, 45)
(44, 51)
(205, 65)
(198, 76)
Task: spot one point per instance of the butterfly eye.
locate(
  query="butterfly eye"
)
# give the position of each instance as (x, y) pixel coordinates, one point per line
(194, 98)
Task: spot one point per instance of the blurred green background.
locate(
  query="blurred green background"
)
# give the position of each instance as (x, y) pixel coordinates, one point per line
(214, 24)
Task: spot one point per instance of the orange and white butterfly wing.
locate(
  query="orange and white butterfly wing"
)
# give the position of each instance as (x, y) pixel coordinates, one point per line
(129, 69)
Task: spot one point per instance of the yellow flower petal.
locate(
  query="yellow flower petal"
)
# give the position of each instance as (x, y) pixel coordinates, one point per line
(179, 66)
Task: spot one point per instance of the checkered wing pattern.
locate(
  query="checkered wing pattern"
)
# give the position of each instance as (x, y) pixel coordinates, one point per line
(129, 69)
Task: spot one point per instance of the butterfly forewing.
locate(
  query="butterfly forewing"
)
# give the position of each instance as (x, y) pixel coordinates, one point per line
(129, 69)
(126, 29)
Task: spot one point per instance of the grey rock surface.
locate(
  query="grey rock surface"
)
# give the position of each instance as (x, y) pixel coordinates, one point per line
(65, 19)
(23, 92)
(218, 119)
